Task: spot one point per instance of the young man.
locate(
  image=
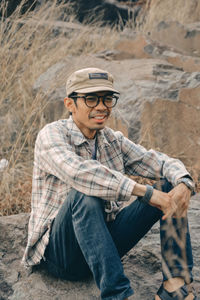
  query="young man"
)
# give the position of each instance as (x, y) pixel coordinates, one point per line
(78, 225)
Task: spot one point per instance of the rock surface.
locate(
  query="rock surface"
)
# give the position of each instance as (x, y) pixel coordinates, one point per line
(142, 265)
(172, 94)
(174, 127)
(183, 38)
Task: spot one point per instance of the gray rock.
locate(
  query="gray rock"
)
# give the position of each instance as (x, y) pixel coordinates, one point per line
(142, 265)
(158, 99)
(184, 38)
(138, 80)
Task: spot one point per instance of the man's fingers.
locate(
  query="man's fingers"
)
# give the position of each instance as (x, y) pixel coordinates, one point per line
(173, 204)
(168, 214)
(169, 208)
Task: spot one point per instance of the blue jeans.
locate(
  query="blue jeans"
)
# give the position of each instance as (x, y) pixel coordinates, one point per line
(83, 243)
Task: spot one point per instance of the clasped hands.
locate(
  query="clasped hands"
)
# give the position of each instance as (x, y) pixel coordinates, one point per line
(173, 204)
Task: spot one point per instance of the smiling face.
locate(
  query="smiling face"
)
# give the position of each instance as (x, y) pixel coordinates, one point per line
(88, 119)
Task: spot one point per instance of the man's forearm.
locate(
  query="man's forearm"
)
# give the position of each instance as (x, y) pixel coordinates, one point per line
(139, 190)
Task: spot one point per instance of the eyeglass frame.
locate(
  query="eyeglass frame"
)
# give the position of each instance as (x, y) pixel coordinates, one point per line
(74, 97)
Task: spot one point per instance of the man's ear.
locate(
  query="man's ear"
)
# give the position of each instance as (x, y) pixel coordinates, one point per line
(69, 104)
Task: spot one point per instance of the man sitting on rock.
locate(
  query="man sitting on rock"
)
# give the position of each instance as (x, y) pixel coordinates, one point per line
(78, 225)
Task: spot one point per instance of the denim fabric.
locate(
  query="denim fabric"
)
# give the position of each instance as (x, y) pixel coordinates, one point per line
(83, 243)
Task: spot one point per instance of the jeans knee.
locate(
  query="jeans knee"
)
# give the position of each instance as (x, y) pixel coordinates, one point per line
(88, 202)
(93, 203)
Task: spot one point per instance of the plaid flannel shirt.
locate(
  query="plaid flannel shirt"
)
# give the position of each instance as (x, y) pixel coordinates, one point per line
(63, 161)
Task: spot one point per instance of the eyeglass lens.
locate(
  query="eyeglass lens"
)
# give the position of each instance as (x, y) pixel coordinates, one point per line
(108, 100)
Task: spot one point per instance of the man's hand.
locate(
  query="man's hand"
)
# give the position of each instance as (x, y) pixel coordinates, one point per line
(161, 200)
(173, 204)
(165, 202)
(181, 196)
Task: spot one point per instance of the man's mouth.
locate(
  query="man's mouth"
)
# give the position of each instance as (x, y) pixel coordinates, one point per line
(98, 116)
(99, 119)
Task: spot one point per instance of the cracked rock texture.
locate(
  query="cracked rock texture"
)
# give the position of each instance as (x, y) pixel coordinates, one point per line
(159, 103)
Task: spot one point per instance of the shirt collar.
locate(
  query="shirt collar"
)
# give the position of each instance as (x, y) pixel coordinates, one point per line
(76, 135)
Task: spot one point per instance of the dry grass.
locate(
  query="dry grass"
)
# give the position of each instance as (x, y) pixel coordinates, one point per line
(30, 44)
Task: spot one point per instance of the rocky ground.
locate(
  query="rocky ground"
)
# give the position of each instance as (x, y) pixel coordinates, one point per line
(142, 265)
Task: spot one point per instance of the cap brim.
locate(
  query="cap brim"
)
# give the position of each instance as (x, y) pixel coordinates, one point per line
(97, 89)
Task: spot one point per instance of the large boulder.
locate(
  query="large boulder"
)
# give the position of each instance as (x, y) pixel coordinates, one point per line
(174, 127)
(186, 62)
(142, 265)
(141, 81)
(172, 23)
(137, 45)
(183, 38)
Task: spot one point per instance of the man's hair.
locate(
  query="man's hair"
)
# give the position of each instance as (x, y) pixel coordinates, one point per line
(70, 96)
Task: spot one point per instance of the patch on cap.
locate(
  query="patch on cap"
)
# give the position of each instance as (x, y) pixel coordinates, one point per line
(98, 76)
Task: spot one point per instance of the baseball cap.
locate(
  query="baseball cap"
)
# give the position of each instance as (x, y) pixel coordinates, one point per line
(90, 80)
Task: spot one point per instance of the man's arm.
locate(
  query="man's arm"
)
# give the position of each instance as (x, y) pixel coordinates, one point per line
(155, 165)
(151, 164)
(56, 156)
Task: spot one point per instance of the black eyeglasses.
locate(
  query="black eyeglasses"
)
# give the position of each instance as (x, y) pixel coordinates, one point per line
(93, 100)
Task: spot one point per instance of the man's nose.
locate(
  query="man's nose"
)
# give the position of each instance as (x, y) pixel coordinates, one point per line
(101, 105)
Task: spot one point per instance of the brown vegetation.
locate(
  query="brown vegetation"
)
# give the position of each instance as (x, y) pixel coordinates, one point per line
(30, 44)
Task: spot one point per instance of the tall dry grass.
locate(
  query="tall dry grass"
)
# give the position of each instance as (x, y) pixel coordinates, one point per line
(30, 44)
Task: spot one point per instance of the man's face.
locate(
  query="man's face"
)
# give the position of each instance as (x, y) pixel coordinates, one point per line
(88, 119)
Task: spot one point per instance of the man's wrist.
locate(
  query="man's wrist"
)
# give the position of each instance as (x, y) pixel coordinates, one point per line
(144, 192)
(147, 197)
(189, 183)
(139, 189)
